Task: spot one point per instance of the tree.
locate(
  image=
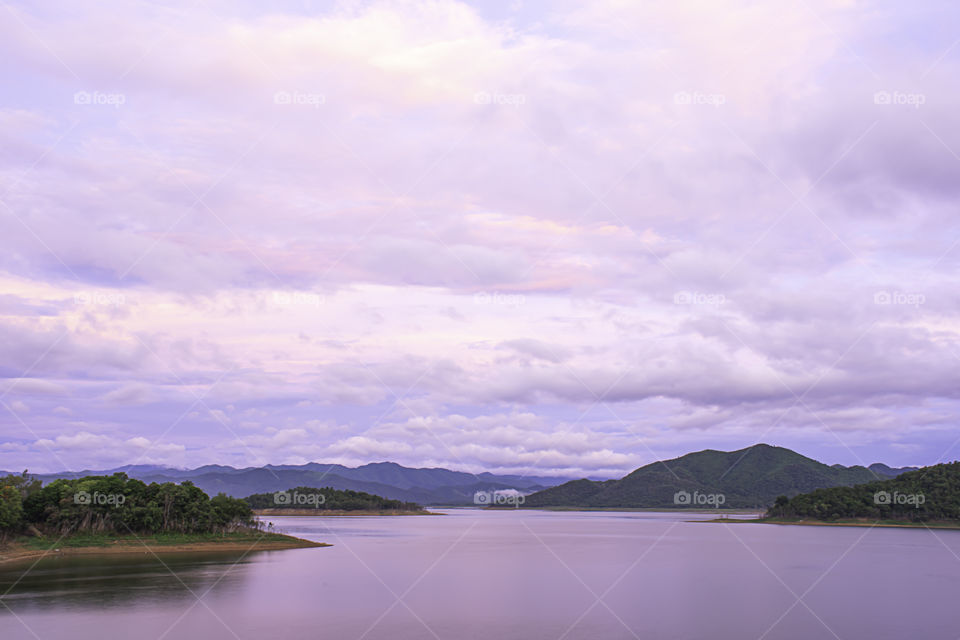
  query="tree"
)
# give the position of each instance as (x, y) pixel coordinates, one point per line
(117, 504)
(11, 510)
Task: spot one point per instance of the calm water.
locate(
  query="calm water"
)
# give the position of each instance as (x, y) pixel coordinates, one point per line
(525, 575)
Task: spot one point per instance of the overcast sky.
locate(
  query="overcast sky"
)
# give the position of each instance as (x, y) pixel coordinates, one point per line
(513, 236)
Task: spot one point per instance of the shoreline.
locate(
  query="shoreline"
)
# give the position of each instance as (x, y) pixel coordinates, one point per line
(339, 513)
(127, 545)
(843, 523)
(644, 510)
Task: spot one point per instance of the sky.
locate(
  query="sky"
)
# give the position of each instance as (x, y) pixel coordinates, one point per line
(529, 237)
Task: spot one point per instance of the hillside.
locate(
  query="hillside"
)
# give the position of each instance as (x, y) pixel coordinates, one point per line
(746, 478)
(433, 486)
(928, 494)
(312, 500)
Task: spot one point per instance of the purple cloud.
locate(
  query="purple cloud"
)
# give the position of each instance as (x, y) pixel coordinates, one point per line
(551, 239)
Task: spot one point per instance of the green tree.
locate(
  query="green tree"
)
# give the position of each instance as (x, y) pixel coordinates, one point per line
(11, 510)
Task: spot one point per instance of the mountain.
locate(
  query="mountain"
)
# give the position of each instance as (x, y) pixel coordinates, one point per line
(884, 471)
(750, 477)
(746, 478)
(310, 500)
(930, 494)
(434, 486)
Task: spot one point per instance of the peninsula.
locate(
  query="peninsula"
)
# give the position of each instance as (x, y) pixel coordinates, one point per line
(119, 515)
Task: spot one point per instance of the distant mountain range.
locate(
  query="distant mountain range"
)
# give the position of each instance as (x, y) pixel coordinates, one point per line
(387, 479)
(751, 477)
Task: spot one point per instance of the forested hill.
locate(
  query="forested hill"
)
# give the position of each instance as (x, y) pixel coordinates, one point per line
(309, 498)
(747, 478)
(114, 504)
(929, 494)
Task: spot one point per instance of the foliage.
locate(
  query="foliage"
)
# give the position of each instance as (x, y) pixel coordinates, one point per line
(115, 504)
(311, 498)
(11, 510)
(928, 494)
(13, 491)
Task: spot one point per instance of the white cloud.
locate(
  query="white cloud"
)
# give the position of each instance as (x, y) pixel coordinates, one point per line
(482, 230)
(19, 406)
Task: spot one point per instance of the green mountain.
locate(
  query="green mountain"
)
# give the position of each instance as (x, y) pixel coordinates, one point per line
(310, 499)
(751, 477)
(929, 494)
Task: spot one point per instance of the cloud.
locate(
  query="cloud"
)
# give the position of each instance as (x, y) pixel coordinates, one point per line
(19, 407)
(85, 449)
(128, 395)
(537, 349)
(407, 221)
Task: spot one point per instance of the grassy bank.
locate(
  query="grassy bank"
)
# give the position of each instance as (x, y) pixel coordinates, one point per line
(341, 512)
(24, 549)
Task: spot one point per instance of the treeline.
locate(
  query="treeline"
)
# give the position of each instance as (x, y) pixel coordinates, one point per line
(114, 504)
(928, 494)
(328, 498)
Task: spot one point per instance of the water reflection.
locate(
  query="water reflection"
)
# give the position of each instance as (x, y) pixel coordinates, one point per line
(119, 581)
(475, 575)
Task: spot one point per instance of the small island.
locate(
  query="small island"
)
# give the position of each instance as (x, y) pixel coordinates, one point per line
(116, 514)
(927, 498)
(309, 501)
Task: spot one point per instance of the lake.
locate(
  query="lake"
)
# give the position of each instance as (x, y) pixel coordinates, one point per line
(527, 575)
